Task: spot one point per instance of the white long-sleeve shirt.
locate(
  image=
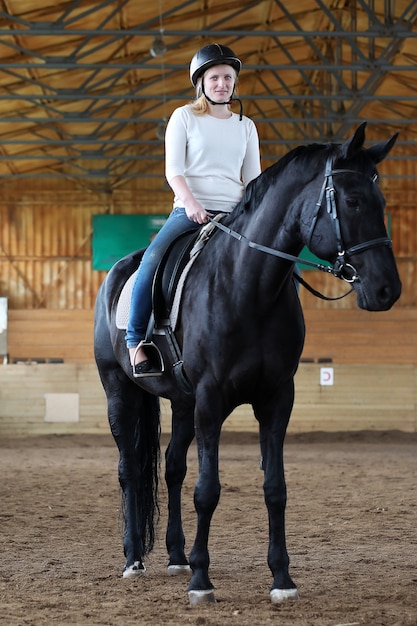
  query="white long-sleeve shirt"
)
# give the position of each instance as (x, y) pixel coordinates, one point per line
(217, 157)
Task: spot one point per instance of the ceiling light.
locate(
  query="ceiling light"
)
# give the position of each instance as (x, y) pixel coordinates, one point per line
(158, 47)
(160, 130)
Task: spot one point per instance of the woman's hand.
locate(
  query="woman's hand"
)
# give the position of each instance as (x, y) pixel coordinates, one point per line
(196, 213)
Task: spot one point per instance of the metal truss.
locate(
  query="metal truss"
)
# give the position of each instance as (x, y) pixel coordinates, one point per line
(90, 104)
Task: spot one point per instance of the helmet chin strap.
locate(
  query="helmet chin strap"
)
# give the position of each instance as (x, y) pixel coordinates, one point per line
(228, 102)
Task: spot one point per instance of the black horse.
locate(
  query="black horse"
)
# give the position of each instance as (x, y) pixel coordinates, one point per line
(241, 333)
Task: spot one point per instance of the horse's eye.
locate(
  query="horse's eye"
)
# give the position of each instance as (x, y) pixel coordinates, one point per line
(353, 203)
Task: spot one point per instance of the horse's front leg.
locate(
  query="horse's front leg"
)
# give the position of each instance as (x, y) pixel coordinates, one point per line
(273, 420)
(175, 471)
(206, 498)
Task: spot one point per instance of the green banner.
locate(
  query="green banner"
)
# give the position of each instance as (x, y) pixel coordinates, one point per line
(115, 236)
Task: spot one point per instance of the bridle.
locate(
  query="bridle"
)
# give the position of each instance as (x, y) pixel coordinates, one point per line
(341, 268)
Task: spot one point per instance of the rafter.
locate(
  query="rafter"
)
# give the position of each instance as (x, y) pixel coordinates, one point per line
(82, 97)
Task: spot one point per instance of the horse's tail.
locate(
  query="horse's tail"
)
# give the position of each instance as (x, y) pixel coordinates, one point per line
(147, 453)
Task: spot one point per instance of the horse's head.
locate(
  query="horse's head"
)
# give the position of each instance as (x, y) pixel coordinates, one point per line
(347, 227)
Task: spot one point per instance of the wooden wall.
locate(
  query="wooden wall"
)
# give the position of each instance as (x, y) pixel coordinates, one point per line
(373, 356)
(48, 334)
(342, 336)
(363, 397)
(46, 274)
(45, 240)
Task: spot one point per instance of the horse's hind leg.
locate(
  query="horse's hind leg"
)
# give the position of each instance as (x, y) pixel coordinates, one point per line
(134, 421)
(175, 471)
(273, 420)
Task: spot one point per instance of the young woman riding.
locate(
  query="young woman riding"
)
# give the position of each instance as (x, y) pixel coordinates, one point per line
(211, 154)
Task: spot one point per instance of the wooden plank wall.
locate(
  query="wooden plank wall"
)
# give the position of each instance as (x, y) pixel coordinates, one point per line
(44, 334)
(344, 336)
(45, 241)
(363, 397)
(355, 336)
(46, 274)
(22, 398)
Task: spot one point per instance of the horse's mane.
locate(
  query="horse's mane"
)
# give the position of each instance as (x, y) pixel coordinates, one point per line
(256, 189)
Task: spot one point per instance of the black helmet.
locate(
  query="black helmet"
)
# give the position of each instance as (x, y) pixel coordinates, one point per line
(213, 54)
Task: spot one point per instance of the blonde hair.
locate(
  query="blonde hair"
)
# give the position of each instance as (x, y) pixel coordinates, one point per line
(199, 106)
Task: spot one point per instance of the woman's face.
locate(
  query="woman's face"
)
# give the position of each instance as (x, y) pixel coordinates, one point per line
(219, 82)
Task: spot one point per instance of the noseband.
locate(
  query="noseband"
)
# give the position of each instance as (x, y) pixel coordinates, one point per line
(342, 269)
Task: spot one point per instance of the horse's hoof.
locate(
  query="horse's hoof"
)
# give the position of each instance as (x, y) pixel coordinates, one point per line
(135, 570)
(178, 570)
(201, 597)
(283, 595)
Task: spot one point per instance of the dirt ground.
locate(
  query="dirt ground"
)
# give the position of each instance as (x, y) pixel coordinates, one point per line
(351, 530)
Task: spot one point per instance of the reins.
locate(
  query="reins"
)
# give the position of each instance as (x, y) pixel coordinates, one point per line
(288, 257)
(272, 251)
(341, 269)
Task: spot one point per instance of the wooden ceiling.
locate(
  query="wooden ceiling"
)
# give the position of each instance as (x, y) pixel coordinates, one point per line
(83, 98)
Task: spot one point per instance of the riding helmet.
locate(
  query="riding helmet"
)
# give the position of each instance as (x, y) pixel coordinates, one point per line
(213, 54)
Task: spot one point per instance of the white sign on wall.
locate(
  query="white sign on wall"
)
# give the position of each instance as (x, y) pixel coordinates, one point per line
(3, 326)
(326, 376)
(62, 407)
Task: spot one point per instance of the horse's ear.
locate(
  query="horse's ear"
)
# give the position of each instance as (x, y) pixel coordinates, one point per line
(355, 143)
(379, 151)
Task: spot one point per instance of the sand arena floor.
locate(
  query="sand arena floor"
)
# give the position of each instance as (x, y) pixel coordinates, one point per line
(351, 530)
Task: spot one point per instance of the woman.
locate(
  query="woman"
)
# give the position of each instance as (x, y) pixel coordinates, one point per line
(211, 154)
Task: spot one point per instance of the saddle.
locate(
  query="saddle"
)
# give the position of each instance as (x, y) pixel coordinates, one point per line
(166, 295)
(168, 274)
(165, 284)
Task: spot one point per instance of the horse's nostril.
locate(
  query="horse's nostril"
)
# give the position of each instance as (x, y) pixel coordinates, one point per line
(387, 295)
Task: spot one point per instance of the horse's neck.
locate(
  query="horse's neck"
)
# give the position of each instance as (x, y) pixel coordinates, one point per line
(260, 272)
(275, 221)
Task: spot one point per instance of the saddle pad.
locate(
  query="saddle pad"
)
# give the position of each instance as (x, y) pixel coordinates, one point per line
(123, 306)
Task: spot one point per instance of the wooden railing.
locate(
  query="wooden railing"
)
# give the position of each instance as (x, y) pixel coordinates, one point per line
(355, 336)
(45, 335)
(343, 336)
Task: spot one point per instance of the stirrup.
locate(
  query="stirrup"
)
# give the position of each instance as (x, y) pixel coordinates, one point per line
(144, 369)
(155, 363)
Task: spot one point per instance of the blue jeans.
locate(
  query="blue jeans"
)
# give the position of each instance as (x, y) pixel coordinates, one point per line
(141, 303)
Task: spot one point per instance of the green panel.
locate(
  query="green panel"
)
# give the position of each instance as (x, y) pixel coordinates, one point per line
(115, 236)
(309, 256)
